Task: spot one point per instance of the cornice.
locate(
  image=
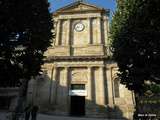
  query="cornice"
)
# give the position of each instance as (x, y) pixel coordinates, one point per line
(79, 58)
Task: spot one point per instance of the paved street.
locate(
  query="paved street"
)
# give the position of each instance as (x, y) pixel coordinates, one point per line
(48, 117)
(3, 116)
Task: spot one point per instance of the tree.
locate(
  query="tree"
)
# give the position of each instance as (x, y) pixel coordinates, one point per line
(135, 34)
(25, 34)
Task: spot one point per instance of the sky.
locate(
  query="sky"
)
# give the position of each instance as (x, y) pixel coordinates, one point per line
(107, 4)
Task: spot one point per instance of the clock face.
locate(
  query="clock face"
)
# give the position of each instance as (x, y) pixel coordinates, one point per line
(79, 27)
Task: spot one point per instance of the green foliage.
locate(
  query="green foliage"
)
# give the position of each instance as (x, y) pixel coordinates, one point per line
(154, 88)
(25, 33)
(135, 34)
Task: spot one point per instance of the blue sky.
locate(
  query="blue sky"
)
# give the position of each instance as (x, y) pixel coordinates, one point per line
(107, 4)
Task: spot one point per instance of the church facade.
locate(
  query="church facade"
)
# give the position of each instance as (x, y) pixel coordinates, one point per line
(79, 76)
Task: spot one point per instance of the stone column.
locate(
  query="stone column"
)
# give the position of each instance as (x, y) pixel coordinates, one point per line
(58, 27)
(89, 101)
(100, 89)
(48, 89)
(99, 30)
(89, 85)
(65, 89)
(65, 83)
(101, 86)
(108, 25)
(106, 31)
(69, 85)
(68, 32)
(62, 95)
(53, 86)
(110, 88)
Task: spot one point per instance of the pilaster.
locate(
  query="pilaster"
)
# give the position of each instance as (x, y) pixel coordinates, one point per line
(89, 107)
(99, 86)
(99, 29)
(65, 89)
(68, 31)
(89, 85)
(62, 95)
(106, 31)
(110, 88)
(89, 31)
(58, 33)
(53, 85)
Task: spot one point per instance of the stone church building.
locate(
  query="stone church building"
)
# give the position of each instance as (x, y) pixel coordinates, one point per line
(79, 78)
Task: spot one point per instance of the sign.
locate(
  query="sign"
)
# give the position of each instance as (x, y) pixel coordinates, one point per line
(77, 92)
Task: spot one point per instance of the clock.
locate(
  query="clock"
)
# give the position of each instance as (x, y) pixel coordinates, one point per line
(79, 27)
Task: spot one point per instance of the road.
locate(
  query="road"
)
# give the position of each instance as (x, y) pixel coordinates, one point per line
(50, 117)
(3, 116)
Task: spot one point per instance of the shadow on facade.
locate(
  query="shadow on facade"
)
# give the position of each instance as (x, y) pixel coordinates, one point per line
(53, 98)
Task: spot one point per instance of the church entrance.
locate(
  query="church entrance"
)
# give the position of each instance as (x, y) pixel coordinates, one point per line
(77, 101)
(77, 107)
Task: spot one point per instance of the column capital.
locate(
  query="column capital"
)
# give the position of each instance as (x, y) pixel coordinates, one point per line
(90, 66)
(89, 18)
(102, 66)
(99, 18)
(66, 66)
(59, 21)
(69, 19)
(105, 19)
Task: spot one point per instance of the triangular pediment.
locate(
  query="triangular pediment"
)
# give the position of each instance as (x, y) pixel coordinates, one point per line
(79, 6)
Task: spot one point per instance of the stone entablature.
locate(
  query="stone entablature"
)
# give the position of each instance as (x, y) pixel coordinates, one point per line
(86, 50)
(79, 16)
(58, 51)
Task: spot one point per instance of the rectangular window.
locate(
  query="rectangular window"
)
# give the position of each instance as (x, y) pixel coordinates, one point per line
(116, 88)
(78, 87)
